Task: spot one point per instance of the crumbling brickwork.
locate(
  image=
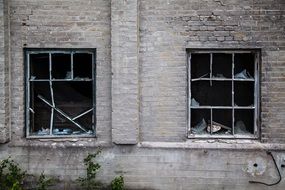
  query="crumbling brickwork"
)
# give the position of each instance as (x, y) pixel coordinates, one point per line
(141, 89)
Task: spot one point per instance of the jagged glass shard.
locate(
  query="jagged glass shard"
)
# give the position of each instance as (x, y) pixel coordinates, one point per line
(194, 103)
(243, 75)
(240, 127)
(68, 75)
(200, 127)
(43, 131)
(219, 76)
(62, 131)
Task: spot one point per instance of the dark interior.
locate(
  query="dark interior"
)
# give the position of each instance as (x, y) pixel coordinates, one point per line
(219, 94)
(247, 117)
(222, 64)
(61, 65)
(244, 93)
(82, 65)
(244, 61)
(197, 115)
(42, 112)
(200, 65)
(39, 66)
(224, 117)
(73, 98)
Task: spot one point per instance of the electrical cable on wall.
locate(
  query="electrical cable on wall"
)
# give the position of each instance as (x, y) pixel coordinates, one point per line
(272, 184)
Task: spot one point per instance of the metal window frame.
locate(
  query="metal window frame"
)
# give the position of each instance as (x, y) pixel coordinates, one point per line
(50, 51)
(257, 97)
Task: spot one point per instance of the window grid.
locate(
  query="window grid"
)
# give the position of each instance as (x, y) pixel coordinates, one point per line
(32, 80)
(233, 107)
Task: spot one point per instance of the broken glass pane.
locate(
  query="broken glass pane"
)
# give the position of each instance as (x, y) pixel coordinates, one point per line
(39, 66)
(244, 93)
(61, 107)
(244, 121)
(200, 65)
(82, 65)
(244, 61)
(61, 65)
(200, 127)
(222, 65)
(217, 94)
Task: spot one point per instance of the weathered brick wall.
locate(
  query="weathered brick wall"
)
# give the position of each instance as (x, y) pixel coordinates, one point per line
(4, 73)
(168, 27)
(62, 24)
(161, 30)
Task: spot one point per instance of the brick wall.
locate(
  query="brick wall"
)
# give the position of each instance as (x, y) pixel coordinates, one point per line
(62, 24)
(167, 28)
(125, 87)
(141, 89)
(4, 73)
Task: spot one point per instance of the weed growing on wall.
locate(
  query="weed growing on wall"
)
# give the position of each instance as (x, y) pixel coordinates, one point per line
(11, 175)
(44, 182)
(118, 183)
(89, 182)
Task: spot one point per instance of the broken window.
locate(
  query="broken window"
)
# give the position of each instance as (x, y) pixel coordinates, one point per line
(223, 96)
(60, 92)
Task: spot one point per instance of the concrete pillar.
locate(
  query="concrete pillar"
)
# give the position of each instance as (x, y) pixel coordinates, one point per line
(125, 87)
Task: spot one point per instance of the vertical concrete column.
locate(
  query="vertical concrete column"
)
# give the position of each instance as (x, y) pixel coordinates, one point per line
(4, 72)
(125, 87)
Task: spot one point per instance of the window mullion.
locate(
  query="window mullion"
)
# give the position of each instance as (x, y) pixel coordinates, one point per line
(189, 92)
(72, 72)
(51, 93)
(233, 95)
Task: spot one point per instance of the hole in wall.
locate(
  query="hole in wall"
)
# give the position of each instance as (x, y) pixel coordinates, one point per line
(255, 164)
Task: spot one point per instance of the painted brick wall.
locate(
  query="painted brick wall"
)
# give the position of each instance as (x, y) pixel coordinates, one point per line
(168, 27)
(62, 24)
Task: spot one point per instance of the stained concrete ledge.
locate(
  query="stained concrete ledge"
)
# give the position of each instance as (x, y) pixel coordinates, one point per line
(215, 144)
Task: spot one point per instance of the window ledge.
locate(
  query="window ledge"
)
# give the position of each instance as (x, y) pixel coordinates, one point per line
(215, 144)
(60, 143)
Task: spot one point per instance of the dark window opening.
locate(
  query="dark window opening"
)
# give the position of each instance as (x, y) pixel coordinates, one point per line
(39, 66)
(222, 65)
(60, 93)
(82, 65)
(217, 94)
(61, 66)
(223, 94)
(200, 66)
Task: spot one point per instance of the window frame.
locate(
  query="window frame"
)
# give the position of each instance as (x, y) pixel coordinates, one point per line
(257, 65)
(27, 53)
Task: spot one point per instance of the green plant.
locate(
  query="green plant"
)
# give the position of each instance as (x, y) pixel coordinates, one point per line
(118, 183)
(44, 182)
(11, 175)
(89, 182)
